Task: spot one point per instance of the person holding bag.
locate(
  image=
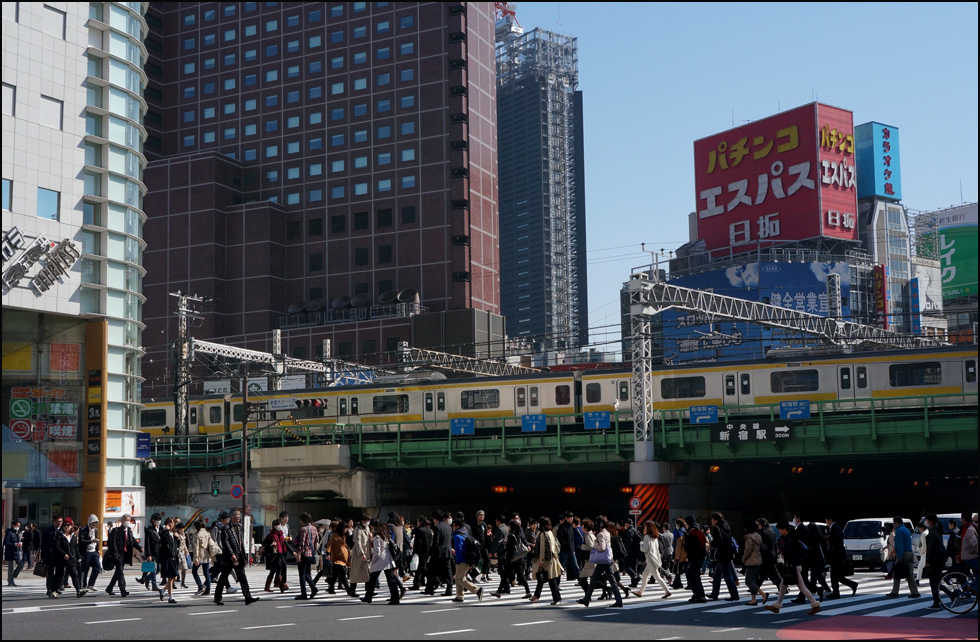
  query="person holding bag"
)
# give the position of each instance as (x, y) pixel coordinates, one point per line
(120, 553)
(274, 547)
(602, 557)
(791, 553)
(307, 556)
(203, 551)
(545, 564)
(650, 547)
(904, 560)
(515, 551)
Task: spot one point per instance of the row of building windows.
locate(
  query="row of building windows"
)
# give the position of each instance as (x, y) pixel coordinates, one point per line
(48, 202)
(362, 257)
(341, 191)
(231, 35)
(337, 141)
(337, 113)
(294, 20)
(382, 79)
(360, 221)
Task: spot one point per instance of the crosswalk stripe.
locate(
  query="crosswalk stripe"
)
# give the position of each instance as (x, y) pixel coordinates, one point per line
(917, 605)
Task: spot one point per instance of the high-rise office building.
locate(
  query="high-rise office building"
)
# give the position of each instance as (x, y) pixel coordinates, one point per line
(72, 250)
(327, 169)
(544, 290)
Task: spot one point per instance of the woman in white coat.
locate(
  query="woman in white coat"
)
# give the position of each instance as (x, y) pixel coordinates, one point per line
(650, 547)
(380, 561)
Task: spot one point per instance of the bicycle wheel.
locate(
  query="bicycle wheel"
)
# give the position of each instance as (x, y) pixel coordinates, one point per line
(953, 593)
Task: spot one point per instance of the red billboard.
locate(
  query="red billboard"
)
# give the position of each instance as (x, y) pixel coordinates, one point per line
(784, 178)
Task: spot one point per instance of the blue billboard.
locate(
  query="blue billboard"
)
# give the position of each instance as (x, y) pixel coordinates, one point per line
(691, 336)
(879, 167)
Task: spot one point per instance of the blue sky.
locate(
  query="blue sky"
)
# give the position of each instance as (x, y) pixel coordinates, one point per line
(658, 76)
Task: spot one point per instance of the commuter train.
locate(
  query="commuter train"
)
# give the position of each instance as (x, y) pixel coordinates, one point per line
(423, 401)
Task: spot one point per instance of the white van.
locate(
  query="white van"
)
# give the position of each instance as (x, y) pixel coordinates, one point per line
(865, 540)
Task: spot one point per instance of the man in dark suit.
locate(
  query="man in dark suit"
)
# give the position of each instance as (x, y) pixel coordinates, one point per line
(837, 558)
(440, 555)
(48, 537)
(234, 557)
(121, 546)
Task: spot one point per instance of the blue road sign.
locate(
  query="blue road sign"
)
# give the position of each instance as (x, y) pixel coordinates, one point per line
(533, 423)
(237, 491)
(704, 414)
(462, 426)
(143, 445)
(794, 410)
(596, 420)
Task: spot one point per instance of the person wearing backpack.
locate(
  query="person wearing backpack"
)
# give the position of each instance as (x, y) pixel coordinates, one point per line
(545, 564)
(790, 556)
(467, 552)
(724, 554)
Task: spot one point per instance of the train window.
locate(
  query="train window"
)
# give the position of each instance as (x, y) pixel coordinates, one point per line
(236, 413)
(353, 406)
(845, 378)
(915, 374)
(521, 397)
(214, 415)
(390, 404)
(342, 404)
(477, 399)
(441, 401)
(428, 402)
(795, 381)
(624, 390)
(729, 385)
(153, 418)
(534, 395)
(971, 371)
(862, 377)
(193, 415)
(563, 395)
(593, 392)
(682, 387)
(744, 384)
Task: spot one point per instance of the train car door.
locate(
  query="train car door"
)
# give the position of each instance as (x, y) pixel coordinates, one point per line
(429, 408)
(520, 401)
(192, 420)
(969, 375)
(737, 389)
(846, 384)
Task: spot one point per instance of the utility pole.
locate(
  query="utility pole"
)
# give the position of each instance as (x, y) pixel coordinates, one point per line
(184, 357)
(245, 413)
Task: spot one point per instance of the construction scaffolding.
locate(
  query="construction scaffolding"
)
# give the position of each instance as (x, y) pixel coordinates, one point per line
(548, 61)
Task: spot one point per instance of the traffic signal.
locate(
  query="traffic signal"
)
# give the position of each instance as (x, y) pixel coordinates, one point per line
(311, 404)
(215, 487)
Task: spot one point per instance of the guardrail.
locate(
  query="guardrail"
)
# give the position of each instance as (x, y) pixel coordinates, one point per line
(870, 425)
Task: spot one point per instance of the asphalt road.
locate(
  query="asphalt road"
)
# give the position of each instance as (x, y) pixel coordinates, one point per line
(869, 614)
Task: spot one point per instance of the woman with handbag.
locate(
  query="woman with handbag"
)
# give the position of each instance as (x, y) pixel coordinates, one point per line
(168, 555)
(588, 542)
(274, 548)
(182, 553)
(202, 552)
(515, 551)
(602, 557)
(380, 561)
(339, 558)
(650, 547)
(619, 556)
(545, 564)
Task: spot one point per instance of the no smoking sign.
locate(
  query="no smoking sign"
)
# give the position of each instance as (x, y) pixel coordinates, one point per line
(20, 428)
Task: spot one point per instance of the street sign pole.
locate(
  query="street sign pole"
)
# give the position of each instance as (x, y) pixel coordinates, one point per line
(245, 438)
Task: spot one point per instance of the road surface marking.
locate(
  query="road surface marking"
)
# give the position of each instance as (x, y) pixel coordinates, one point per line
(737, 628)
(451, 632)
(128, 619)
(602, 615)
(533, 623)
(363, 617)
(214, 612)
(267, 626)
(438, 611)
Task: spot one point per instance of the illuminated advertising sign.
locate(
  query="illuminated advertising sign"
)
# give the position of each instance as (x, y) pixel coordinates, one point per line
(882, 296)
(784, 178)
(879, 163)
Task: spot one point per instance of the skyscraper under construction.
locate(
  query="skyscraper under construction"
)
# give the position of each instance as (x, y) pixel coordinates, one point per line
(541, 188)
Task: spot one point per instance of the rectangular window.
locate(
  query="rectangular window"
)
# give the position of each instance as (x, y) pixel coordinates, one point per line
(271, 151)
(316, 118)
(272, 100)
(7, 188)
(208, 137)
(408, 154)
(408, 215)
(189, 43)
(292, 46)
(249, 154)
(229, 59)
(315, 16)
(337, 192)
(210, 39)
(292, 172)
(384, 131)
(361, 256)
(251, 79)
(408, 127)
(383, 79)
(624, 390)
(271, 25)
(361, 221)
(389, 404)
(407, 101)
(794, 381)
(250, 30)
(406, 48)
(383, 27)
(360, 162)
(272, 75)
(337, 114)
(336, 140)
(336, 36)
(229, 35)
(359, 58)
(292, 122)
(52, 111)
(862, 377)
(384, 185)
(189, 92)
(479, 399)
(316, 143)
(315, 92)
(682, 387)
(406, 21)
(338, 223)
(53, 22)
(337, 62)
(384, 254)
(251, 104)
(384, 158)
(360, 110)
(292, 96)
(903, 375)
(292, 21)
(229, 108)
(406, 75)
(359, 7)
(272, 125)
(209, 15)
(360, 189)
(314, 42)
(189, 67)
(250, 55)
(593, 393)
(337, 11)
(337, 166)
(408, 181)
(970, 366)
(229, 133)
(229, 83)
(316, 169)
(292, 71)
(336, 88)
(189, 141)
(845, 378)
(359, 84)
(316, 262)
(48, 204)
(360, 135)
(292, 199)
(271, 51)
(384, 105)
(384, 219)
(383, 53)
(272, 176)
(359, 32)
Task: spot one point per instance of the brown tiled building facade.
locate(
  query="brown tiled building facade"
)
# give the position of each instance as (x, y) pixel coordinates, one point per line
(308, 152)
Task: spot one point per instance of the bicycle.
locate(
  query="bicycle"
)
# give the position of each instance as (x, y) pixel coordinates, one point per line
(955, 592)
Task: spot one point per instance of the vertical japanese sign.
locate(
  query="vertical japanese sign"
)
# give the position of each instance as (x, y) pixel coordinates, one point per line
(914, 306)
(882, 296)
(879, 162)
(958, 251)
(788, 177)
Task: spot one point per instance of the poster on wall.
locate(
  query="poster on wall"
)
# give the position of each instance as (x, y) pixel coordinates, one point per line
(123, 501)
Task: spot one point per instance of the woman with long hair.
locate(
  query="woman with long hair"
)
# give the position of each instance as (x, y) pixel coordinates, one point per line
(752, 559)
(650, 547)
(339, 558)
(588, 542)
(602, 557)
(545, 564)
(275, 558)
(514, 557)
(380, 561)
(201, 557)
(169, 568)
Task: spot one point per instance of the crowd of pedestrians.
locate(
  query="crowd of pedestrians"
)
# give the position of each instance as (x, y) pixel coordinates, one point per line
(609, 559)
